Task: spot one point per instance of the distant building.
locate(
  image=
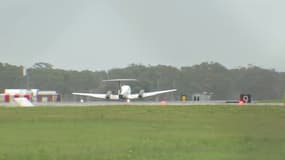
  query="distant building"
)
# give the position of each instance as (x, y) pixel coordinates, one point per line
(33, 95)
(205, 96)
(48, 96)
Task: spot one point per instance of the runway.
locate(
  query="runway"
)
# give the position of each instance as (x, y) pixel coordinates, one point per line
(143, 103)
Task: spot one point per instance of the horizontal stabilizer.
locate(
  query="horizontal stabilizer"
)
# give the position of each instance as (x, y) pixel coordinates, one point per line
(119, 80)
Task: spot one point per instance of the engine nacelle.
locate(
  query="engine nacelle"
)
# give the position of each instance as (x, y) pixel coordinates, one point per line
(108, 94)
(141, 93)
(121, 96)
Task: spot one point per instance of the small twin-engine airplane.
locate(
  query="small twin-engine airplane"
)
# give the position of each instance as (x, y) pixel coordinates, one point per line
(124, 92)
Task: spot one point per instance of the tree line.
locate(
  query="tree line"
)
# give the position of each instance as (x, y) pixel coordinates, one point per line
(210, 77)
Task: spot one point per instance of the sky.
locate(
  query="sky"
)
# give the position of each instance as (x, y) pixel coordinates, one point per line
(105, 34)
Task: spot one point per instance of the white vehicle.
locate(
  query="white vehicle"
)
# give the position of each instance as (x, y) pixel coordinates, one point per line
(124, 92)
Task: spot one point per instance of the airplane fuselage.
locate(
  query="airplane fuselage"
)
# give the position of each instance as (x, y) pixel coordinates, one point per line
(124, 92)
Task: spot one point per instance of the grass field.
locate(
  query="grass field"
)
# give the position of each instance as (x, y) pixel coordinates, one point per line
(143, 133)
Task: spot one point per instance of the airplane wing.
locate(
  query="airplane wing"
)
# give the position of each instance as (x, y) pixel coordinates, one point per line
(149, 94)
(98, 95)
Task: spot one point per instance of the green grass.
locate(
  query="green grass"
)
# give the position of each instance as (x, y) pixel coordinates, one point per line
(143, 133)
(270, 101)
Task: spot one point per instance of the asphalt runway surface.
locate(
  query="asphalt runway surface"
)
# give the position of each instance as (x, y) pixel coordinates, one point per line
(141, 103)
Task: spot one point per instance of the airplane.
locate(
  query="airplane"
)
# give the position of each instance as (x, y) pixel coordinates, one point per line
(124, 92)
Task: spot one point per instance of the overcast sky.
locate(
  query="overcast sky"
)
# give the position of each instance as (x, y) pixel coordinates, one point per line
(104, 34)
